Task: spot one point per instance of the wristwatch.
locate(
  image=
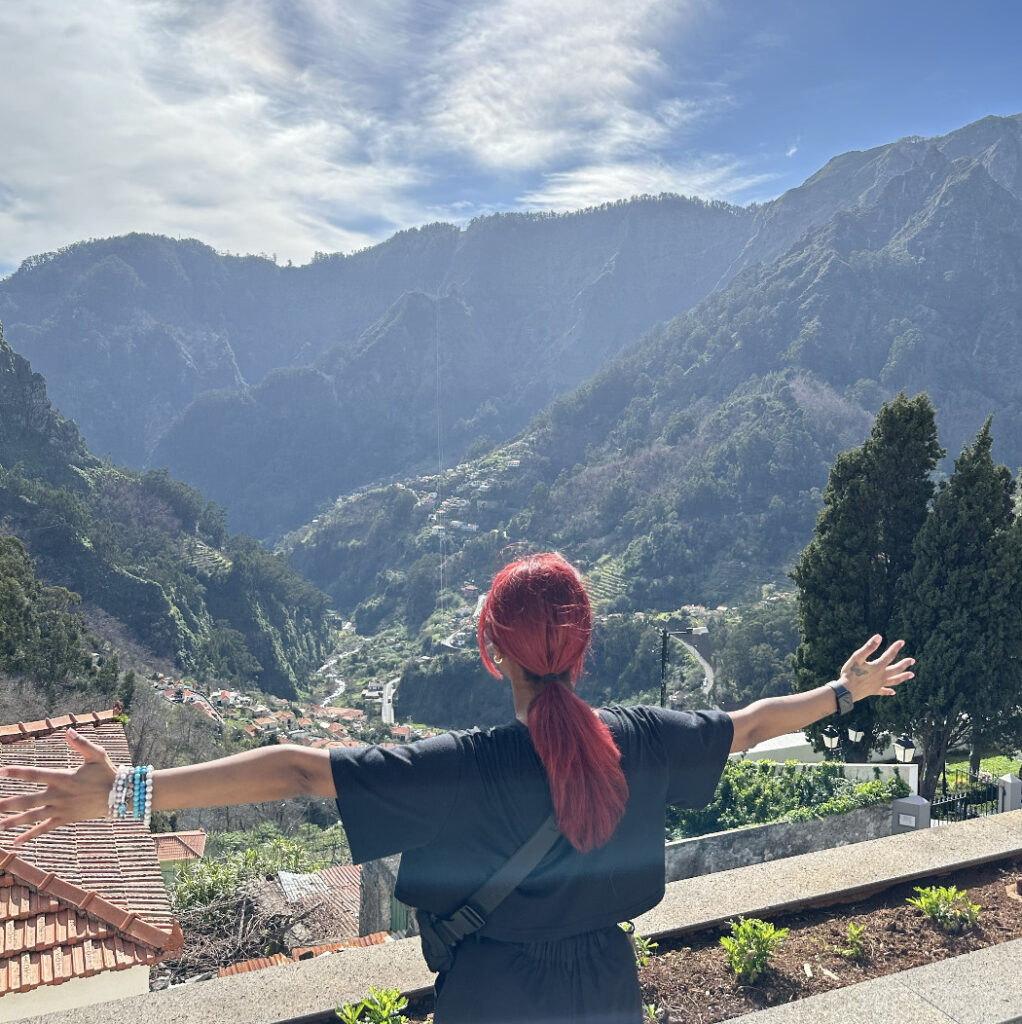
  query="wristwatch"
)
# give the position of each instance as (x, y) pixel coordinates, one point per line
(845, 700)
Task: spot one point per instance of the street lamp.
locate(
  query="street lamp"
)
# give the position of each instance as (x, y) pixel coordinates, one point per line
(831, 738)
(855, 734)
(904, 748)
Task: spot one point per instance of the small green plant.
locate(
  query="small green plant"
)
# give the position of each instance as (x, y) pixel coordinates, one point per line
(650, 1013)
(643, 947)
(947, 906)
(856, 948)
(381, 1006)
(750, 947)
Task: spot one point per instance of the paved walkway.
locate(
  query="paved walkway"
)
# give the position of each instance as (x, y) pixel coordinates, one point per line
(982, 988)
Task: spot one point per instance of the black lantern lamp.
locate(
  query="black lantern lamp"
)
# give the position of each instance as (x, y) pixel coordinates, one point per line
(904, 748)
(830, 737)
(855, 734)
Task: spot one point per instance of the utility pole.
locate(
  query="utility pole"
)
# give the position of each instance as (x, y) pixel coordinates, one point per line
(663, 667)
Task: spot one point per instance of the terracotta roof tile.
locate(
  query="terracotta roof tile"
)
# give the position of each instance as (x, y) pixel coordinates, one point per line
(374, 939)
(303, 953)
(86, 897)
(190, 845)
(254, 965)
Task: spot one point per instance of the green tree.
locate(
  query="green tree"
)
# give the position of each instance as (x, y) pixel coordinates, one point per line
(754, 653)
(959, 613)
(40, 635)
(874, 505)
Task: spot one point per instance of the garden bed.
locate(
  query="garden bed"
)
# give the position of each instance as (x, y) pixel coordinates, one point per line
(689, 977)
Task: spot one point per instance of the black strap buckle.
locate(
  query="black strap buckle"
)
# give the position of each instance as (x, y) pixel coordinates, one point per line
(465, 920)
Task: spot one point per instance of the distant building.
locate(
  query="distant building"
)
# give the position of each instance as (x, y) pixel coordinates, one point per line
(83, 909)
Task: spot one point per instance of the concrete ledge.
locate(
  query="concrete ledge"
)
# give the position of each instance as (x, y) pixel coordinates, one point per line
(840, 875)
(984, 987)
(307, 989)
(981, 988)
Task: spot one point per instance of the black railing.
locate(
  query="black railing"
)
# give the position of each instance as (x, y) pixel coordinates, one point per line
(965, 796)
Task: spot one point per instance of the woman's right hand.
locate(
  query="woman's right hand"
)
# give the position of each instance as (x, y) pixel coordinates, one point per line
(70, 794)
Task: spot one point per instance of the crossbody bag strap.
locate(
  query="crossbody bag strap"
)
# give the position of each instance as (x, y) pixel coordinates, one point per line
(473, 914)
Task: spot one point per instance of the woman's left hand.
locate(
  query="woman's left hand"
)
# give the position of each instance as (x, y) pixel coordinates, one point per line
(70, 794)
(866, 678)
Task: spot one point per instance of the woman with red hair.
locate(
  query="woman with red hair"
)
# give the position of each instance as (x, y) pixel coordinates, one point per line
(458, 806)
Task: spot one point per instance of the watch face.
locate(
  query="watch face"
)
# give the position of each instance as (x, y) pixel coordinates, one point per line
(845, 701)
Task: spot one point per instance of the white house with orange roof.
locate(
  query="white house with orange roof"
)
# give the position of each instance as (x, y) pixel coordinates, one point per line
(83, 909)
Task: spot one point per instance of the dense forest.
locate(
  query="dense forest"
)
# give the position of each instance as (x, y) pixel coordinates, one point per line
(143, 548)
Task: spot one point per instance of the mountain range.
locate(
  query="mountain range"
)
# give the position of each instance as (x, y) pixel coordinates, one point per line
(677, 375)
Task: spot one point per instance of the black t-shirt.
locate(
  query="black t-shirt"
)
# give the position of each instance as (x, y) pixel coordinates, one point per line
(459, 805)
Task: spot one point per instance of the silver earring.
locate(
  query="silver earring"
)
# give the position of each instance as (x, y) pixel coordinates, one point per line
(497, 660)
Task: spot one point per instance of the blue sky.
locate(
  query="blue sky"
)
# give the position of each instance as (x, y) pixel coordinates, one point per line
(290, 127)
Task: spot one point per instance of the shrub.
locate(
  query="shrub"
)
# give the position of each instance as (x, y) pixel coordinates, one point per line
(381, 1006)
(750, 946)
(759, 792)
(947, 906)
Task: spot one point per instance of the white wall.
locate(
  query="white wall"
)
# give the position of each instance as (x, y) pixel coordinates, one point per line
(100, 988)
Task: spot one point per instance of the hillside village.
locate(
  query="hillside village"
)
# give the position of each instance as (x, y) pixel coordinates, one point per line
(263, 717)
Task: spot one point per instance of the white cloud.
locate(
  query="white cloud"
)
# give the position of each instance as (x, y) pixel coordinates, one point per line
(715, 178)
(791, 150)
(322, 124)
(530, 83)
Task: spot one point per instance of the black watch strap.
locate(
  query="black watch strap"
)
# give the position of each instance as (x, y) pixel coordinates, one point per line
(845, 700)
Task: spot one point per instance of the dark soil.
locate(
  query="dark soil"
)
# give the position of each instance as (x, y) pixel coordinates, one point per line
(689, 981)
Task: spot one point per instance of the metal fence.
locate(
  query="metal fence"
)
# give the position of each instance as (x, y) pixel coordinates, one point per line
(964, 796)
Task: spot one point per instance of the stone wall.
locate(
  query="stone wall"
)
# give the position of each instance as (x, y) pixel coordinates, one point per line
(737, 848)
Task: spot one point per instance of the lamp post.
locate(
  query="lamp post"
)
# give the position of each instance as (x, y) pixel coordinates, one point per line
(855, 734)
(904, 748)
(831, 738)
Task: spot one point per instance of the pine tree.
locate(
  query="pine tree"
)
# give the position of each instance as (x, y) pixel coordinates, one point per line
(959, 613)
(873, 506)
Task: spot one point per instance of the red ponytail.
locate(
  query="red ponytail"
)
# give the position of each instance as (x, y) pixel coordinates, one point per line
(538, 613)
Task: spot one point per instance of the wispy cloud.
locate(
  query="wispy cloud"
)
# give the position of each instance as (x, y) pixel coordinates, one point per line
(318, 124)
(601, 183)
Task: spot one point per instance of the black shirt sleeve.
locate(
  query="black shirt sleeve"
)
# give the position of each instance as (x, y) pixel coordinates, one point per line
(396, 798)
(697, 744)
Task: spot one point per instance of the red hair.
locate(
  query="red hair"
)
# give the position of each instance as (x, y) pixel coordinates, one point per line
(537, 612)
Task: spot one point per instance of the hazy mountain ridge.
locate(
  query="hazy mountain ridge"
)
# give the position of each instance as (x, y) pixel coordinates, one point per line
(149, 551)
(697, 457)
(147, 324)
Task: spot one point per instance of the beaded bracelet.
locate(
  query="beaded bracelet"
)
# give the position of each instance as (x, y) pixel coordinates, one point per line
(134, 785)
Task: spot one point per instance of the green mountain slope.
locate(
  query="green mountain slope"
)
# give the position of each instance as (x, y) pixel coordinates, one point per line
(697, 457)
(146, 549)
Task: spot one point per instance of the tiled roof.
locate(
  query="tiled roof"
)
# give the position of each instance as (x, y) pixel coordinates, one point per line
(375, 939)
(190, 845)
(324, 904)
(303, 953)
(254, 965)
(86, 897)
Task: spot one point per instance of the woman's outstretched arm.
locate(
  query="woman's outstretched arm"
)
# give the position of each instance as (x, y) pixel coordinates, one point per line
(775, 716)
(76, 794)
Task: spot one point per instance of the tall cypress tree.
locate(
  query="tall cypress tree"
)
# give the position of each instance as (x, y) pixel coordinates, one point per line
(959, 613)
(873, 506)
